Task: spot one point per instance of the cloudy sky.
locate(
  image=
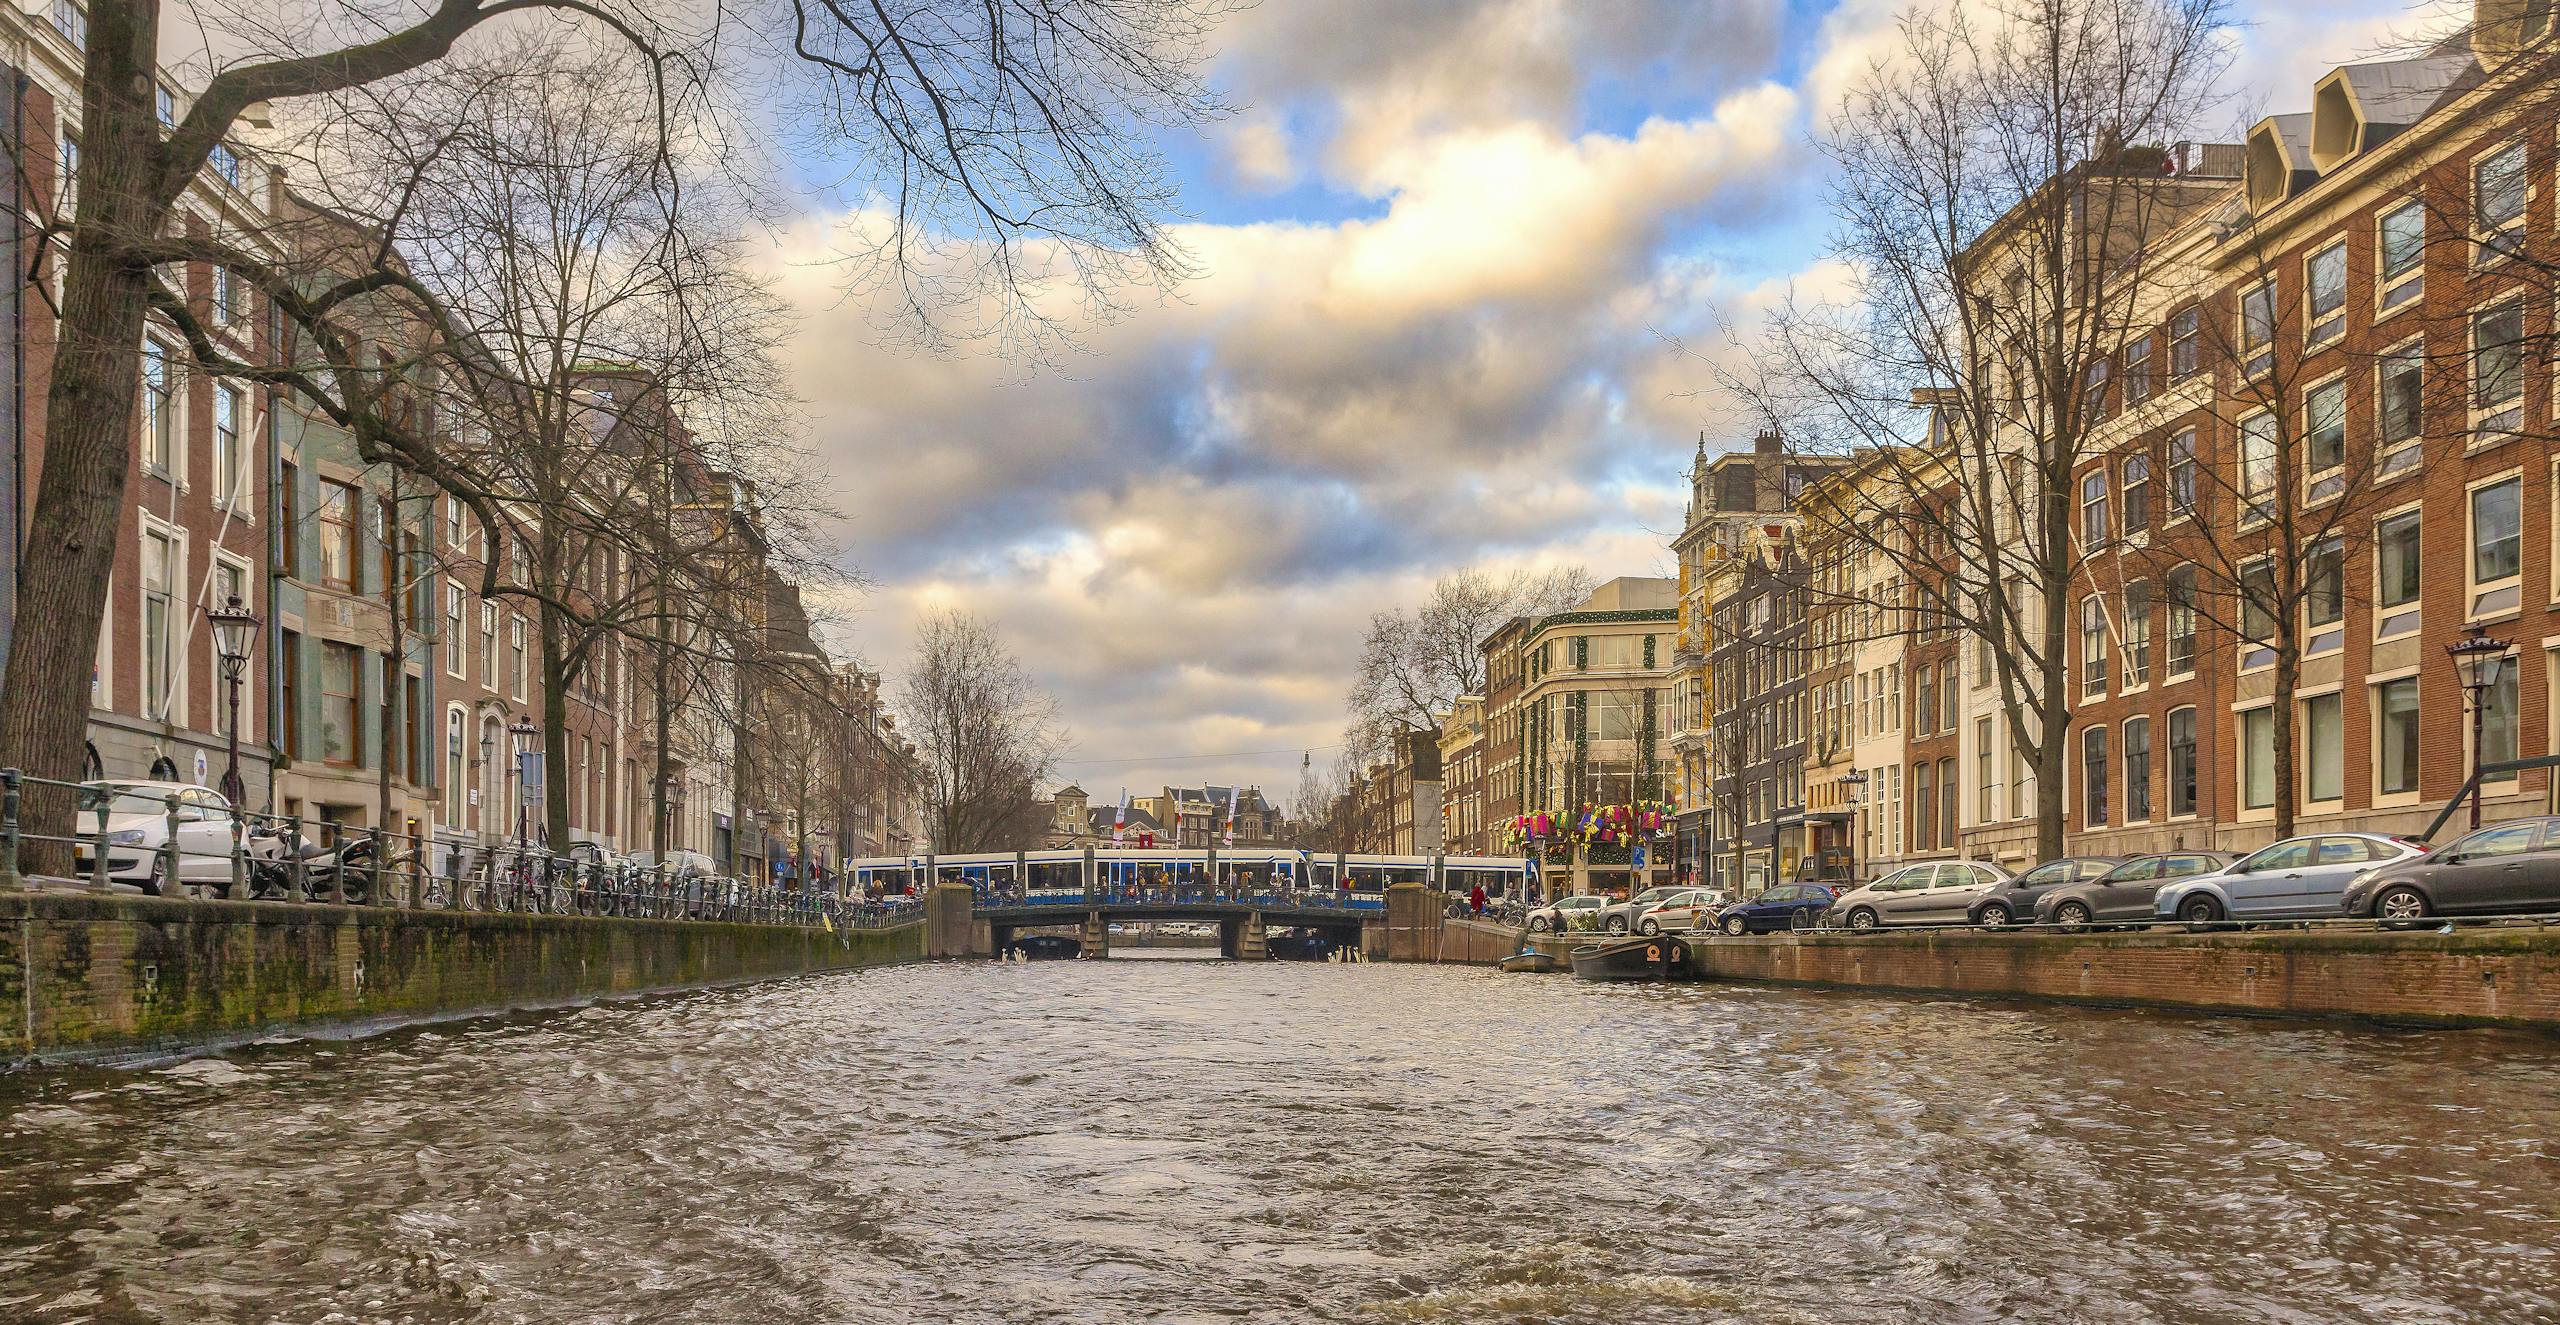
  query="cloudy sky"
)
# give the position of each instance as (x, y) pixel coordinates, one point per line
(1444, 246)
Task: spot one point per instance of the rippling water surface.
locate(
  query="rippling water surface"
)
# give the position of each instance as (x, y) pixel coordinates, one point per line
(1162, 1140)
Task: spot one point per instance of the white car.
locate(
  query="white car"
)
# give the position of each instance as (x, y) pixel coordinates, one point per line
(138, 827)
(1687, 908)
(1566, 912)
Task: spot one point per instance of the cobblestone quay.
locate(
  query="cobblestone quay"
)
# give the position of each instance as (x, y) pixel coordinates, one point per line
(90, 977)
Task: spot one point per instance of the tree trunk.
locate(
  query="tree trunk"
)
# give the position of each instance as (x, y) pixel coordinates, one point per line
(555, 732)
(89, 428)
(2288, 680)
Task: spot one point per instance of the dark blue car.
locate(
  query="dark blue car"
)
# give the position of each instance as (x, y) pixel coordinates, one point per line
(1775, 909)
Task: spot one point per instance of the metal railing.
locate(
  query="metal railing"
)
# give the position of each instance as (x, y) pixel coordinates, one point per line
(185, 844)
(1262, 894)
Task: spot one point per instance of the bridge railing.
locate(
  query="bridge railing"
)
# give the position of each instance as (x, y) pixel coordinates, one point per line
(1257, 894)
(188, 843)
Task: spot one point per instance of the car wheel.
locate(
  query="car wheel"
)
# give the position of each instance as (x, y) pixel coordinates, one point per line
(2071, 915)
(1617, 924)
(2200, 910)
(1650, 928)
(2400, 908)
(1993, 916)
(1736, 926)
(1538, 924)
(1862, 918)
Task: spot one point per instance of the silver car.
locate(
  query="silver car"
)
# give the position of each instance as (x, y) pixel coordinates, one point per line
(1941, 892)
(1688, 908)
(1619, 917)
(1568, 913)
(2299, 878)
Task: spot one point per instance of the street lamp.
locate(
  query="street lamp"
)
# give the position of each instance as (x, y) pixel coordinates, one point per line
(2478, 658)
(235, 633)
(524, 732)
(1856, 783)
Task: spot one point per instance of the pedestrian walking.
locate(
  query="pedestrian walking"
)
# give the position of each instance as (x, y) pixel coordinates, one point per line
(1475, 900)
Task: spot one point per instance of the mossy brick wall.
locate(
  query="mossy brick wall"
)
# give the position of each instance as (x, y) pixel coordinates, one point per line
(2503, 976)
(84, 976)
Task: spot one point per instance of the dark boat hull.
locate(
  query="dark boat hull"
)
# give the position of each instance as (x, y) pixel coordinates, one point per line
(1534, 963)
(1658, 958)
(1048, 948)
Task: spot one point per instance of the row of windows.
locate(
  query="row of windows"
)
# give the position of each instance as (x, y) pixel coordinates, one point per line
(2122, 623)
(2393, 709)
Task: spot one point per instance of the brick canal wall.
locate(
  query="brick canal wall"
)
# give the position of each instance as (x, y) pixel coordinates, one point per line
(2504, 976)
(88, 977)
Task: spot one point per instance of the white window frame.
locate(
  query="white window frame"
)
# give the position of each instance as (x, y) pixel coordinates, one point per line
(2328, 482)
(2374, 710)
(2240, 714)
(2392, 459)
(2203, 734)
(2256, 356)
(2492, 424)
(457, 620)
(2303, 700)
(180, 603)
(2474, 589)
(2393, 620)
(2319, 330)
(2409, 288)
(2488, 246)
(2257, 479)
(231, 490)
(2124, 770)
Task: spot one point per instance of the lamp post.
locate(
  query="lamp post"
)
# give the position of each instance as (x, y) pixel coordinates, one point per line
(488, 805)
(2478, 658)
(1856, 783)
(235, 633)
(524, 733)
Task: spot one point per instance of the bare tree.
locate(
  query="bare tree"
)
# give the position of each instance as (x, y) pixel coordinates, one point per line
(1006, 139)
(1414, 665)
(2001, 176)
(984, 731)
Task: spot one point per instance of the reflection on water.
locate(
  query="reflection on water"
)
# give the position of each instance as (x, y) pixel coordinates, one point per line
(1168, 1140)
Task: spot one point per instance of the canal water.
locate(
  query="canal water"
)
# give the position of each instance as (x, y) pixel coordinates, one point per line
(1176, 1140)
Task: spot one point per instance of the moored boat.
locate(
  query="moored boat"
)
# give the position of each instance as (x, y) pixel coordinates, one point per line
(1660, 957)
(1533, 963)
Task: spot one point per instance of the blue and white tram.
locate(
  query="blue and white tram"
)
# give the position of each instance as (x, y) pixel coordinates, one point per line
(1131, 875)
(1504, 878)
(888, 877)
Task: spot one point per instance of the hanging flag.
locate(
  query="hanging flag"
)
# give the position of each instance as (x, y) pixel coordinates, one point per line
(1120, 817)
(1232, 793)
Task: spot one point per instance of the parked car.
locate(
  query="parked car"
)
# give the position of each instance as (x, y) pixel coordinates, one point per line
(1782, 906)
(138, 826)
(2014, 902)
(1688, 908)
(1939, 892)
(2511, 867)
(1619, 917)
(1565, 912)
(2299, 878)
(2123, 895)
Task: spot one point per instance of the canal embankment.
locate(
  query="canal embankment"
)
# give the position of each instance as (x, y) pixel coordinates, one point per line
(87, 977)
(2484, 975)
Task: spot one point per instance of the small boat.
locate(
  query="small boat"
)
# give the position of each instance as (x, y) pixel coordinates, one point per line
(1531, 962)
(1658, 958)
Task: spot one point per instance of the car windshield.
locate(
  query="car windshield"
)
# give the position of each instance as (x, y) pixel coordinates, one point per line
(122, 798)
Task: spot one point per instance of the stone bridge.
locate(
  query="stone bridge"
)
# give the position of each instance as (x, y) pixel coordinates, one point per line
(1265, 902)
